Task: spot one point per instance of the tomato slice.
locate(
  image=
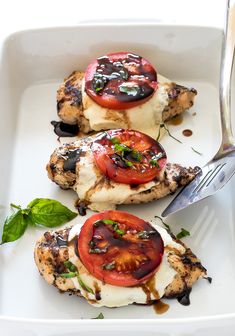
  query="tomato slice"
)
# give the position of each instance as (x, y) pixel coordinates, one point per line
(120, 80)
(119, 248)
(128, 156)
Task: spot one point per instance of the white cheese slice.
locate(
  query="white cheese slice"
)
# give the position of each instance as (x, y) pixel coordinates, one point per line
(145, 117)
(117, 296)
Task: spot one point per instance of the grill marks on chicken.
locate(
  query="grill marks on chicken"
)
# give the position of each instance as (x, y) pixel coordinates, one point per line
(71, 103)
(50, 256)
(99, 192)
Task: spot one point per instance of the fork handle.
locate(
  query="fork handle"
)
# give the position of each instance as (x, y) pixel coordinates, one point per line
(227, 56)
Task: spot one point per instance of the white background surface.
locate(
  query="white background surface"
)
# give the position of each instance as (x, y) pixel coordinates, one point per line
(23, 14)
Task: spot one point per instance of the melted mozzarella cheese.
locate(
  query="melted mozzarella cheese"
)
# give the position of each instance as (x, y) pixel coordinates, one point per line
(102, 193)
(145, 117)
(117, 296)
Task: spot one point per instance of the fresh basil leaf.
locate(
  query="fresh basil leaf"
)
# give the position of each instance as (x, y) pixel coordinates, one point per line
(183, 233)
(50, 213)
(14, 227)
(99, 317)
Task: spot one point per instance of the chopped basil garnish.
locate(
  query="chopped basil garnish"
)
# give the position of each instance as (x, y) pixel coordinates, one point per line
(68, 275)
(183, 233)
(99, 81)
(136, 155)
(114, 141)
(122, 148)
(154, 163)
(71, 267)
(74, 274)
(41, 211)
(196, 151)
(145, 234)
(98, 250)
(129, 163)
(120, 232)
(92, 243)
(163, 125)
(131, 89)
(108, 221)
(166, 225)
(84, 286)
(124, 156)
(115, 226)
(110, 266)
(99, 317)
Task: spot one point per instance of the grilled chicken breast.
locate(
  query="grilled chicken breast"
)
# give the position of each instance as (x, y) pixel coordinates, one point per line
(74, 106)
(179, 270)
(72, 166)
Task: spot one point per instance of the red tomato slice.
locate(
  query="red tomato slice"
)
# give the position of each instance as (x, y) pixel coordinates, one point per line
(119, 248)
(120, 80)
(128, 156)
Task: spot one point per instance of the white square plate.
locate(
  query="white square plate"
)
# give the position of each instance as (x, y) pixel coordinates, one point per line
(33, 63)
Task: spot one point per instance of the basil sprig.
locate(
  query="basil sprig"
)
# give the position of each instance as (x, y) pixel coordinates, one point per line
(41, 211)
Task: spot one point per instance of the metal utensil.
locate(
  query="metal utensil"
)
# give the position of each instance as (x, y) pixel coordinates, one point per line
(221, 168)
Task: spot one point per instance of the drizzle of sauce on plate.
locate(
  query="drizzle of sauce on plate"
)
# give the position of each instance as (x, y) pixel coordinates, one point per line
(187, 132)
(184, 298)
(65, 130)
(176, 120)
(81, 207)
(160, 307)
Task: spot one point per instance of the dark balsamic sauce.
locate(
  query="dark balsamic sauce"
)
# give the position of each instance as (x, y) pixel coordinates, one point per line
(176, 120)
(160, 307)
(76, 247)
(209, 279)
(65, 130)
(184, 298)
(72, 157)
(61, 241)
(81, 207)
(97, 291)
(187, 132)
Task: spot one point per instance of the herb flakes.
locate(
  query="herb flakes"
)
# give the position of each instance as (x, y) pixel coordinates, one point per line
(183, 233)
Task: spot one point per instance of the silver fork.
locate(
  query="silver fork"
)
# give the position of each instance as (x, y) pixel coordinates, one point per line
(221, 168)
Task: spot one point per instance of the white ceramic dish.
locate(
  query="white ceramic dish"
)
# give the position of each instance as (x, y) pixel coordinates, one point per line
(32, 65)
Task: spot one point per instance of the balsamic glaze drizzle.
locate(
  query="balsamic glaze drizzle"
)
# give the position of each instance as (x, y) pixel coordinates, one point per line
(65, 130)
